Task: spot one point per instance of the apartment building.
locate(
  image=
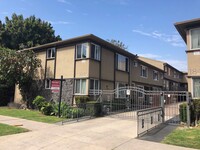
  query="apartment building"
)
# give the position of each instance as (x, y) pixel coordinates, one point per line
(190, 32)
(89, 63)
(173, 79)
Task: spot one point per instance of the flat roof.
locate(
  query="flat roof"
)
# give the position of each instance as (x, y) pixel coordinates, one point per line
(185, 25)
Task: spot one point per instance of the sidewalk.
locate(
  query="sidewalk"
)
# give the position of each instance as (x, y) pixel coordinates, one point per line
(95, 134)
(28, 124)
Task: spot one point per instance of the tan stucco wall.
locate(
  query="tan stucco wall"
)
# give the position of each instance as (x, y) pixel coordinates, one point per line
(121, 76)
(50, 69)
(107, 65)
(17, 96)
(65, 62)
(193, 64)
(94, 69)
(106, 85)
(135, 76)
(82, 68)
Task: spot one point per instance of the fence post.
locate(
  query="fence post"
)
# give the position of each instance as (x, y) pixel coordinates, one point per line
(188, 109)
(162, 103)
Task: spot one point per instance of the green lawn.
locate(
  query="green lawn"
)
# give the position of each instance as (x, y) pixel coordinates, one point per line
(184, 137)
(7, 129)
(29, 115)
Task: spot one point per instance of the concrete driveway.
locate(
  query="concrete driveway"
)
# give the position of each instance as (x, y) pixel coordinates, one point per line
(95, 134)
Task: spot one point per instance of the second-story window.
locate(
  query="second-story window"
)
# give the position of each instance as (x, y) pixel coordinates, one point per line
(51, 53)
(144, 71)
(95, 51)
(81, 50)
(195, 38)
(122, 63)
(155, 75)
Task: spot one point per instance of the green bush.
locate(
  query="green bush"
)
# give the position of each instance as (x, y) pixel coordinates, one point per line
(47, 108)
(39, 102)
(74, 112)
(196, 106)
(183, 112)
(81, 99)
(94, 108)
(63, 109)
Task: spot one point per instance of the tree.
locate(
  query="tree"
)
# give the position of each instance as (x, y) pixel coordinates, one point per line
(19, 67)
(118, 43)
(18, 33)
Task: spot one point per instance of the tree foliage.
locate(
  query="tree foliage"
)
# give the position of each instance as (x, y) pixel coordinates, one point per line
(19, 67)
(118, 43)
(18, 33)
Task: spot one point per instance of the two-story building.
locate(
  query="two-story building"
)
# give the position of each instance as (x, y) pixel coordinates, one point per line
(173, 79)
(89, 63)
(190, 32)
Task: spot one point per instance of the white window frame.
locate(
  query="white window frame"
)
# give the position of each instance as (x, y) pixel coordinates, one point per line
(80, 86)
(120, 94)
(190, 35)
(97, 52)
(82, 48)
(141, 71)
(50, 50)
(193, 89)
(126, 63)
(94, 91)
(155, 79)
(47, 83)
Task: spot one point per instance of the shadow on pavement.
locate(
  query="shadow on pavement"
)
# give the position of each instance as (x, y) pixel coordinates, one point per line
(159, 133)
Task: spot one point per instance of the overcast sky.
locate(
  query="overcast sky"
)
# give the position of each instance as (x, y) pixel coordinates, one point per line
(145, 26)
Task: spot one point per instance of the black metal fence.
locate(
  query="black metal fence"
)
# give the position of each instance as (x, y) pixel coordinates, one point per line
(81, 111)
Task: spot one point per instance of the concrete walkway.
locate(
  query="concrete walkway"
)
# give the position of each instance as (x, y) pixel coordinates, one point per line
(95, 134)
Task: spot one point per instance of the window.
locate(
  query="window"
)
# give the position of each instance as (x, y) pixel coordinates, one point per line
(144, 71)
(122, 62)
(140, 93)
(161, 75)
(195, 38)
(135, 63)
(94, 86)
(155, 75)
(51, 53)
(120, 90)
(47, 84)
(81, 50)
(196, 88)
(80, 86)
(95, 51)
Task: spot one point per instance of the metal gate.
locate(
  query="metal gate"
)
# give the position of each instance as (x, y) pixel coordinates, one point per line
(150, 108)
(124, 102)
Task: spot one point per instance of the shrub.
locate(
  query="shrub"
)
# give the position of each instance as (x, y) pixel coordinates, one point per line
(94, 108)
(196, 106)
(47, 108)
(183, 112)
(81, 99)
(63, 109)
(74, 112)
(39, 102)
